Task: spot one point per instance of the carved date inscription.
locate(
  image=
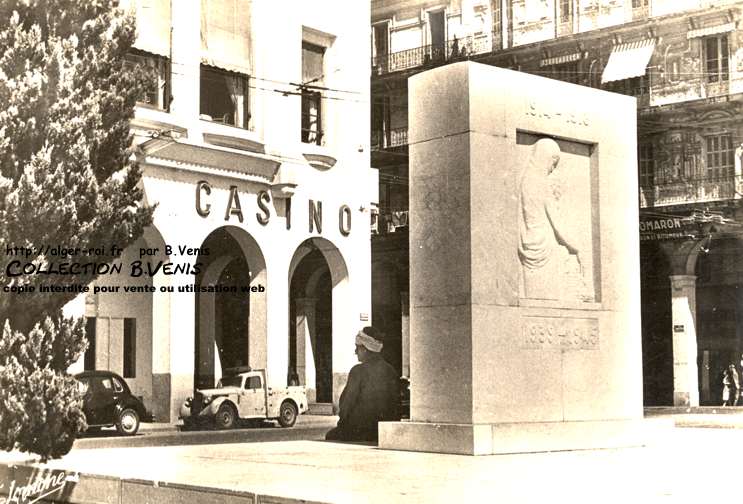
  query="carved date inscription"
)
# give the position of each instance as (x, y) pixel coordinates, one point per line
(552, 112)
(560, 333)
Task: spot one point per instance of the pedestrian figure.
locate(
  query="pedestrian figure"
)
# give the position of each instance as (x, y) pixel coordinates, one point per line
(455, 48)
(371, 394)
(730, 386)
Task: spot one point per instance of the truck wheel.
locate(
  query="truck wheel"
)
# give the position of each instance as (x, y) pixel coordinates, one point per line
(287, 414)
(128, 422)
(226, 417)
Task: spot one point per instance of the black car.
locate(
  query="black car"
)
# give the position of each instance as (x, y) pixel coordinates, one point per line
(108, 402)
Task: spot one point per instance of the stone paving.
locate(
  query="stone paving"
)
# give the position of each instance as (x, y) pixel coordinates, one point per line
(683, 465)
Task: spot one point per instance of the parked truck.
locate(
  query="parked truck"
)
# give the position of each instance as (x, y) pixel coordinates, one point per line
(242, 394)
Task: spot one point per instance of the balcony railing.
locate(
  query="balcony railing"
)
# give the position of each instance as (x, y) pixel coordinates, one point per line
(387, 221)
(388, 139)
(698, 190)
(434, 55)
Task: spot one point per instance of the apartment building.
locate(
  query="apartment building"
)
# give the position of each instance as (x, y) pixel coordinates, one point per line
(683, 61)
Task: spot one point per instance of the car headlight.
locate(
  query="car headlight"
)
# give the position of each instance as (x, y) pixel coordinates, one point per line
(188, 402)
(208, 400)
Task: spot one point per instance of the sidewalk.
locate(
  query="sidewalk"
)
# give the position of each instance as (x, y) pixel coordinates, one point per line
(682, 465)
(174, 427)
(318, 471)
(700, 416)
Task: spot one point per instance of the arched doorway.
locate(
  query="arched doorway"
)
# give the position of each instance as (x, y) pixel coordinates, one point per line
(230, 321)
(317, 279)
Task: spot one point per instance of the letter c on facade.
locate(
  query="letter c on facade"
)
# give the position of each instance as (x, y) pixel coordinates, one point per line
(202, 185)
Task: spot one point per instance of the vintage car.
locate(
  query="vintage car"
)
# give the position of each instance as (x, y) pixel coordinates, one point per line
(241, 394)
(108, 402)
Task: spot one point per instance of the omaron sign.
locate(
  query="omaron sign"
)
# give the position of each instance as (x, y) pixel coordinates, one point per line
(660, 228)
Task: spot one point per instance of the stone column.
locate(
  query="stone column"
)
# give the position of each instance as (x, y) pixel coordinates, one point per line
(306, 345)
(161, 375)
(277, 322)
(683, 308)
(405, 330)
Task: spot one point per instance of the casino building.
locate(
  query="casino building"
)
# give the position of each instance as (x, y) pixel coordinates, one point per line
(683, 61)
(255, 151)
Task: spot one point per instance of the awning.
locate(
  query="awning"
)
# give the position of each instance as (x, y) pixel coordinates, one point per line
(628, 60)
(225, 34)
(559, 60)
(153, 25)
(710, 30)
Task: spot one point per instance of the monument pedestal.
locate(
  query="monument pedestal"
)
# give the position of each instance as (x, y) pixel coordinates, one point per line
(524, 266)
(521, 437)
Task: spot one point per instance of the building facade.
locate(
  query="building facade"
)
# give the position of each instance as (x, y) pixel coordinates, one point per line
(255, 151)
(683, 61)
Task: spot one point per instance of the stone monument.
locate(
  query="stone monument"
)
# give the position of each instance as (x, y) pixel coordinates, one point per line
(524, 266)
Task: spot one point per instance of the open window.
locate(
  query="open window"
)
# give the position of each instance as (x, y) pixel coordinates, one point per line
(226, 49)
(716, 58)
(156, 71)
(312, 80)
(151, 49)
(224, 97)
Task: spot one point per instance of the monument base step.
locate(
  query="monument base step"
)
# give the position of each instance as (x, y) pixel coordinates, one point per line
(527, 437)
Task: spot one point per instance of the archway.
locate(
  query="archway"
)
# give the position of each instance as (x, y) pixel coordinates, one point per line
(318, 278)
(230, 318)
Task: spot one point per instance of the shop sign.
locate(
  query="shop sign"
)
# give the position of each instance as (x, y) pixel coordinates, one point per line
(663, 228)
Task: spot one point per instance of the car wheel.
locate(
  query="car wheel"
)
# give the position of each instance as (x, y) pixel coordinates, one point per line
(128, 422)
(226, 417)
(287, 414)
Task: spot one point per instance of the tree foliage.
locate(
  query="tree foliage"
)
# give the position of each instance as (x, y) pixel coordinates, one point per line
(66, 98)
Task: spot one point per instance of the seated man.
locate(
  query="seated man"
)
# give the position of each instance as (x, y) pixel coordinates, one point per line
(371, 394)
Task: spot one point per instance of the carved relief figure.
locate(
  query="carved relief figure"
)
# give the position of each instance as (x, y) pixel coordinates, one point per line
(549, 250)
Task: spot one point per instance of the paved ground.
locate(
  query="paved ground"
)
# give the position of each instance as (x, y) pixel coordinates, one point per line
(681, 468)
(161, 434)
(682, 465)
(707, 416)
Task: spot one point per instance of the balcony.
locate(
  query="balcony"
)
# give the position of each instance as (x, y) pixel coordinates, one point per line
(388, 221)
(433, 55)
(700, 190)
(389, 139)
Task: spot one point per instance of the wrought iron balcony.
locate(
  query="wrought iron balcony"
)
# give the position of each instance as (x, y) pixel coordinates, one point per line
(436, 54)
(387, 221)
(387, 139)
(697, 190)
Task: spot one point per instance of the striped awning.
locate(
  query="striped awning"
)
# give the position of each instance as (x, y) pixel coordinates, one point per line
(710, 30)
(628, 60)
(558, 60)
